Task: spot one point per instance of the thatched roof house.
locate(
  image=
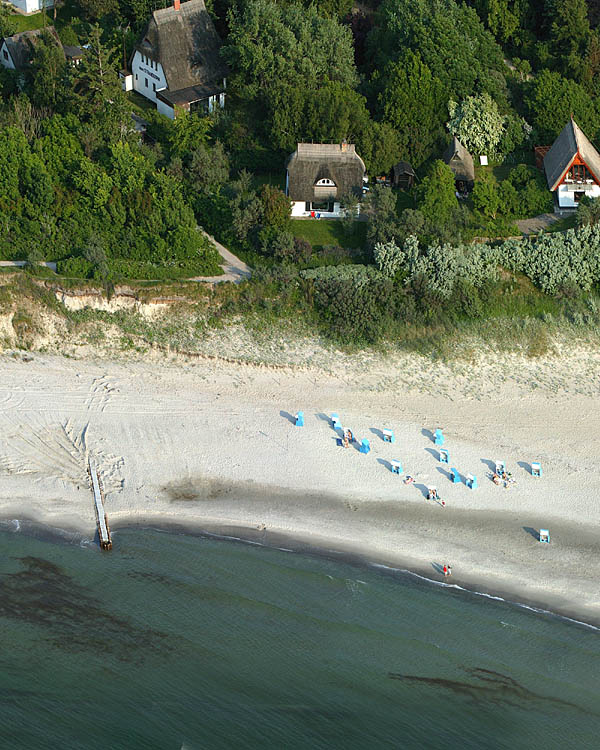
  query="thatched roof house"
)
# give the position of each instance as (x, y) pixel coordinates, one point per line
(321, 174)
(16, 51)
(460, 162)
(177, 61)
(403, 175)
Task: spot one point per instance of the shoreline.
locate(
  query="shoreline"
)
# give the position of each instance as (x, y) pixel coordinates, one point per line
(400, 566)
(208, 445)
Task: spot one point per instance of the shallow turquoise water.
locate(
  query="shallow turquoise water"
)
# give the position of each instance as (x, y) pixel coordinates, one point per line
(174, 641)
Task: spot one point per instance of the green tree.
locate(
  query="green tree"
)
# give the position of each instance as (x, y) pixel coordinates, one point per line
(48, 72)
(271, 44)
(411, 101)
(486, 196)
(96, 9)
(101, 96)
(437, 198)
(570, 36)
(7, 21)
(477, 123)
(379, 207)
(276, 207)
(551, 99)
(208, 168)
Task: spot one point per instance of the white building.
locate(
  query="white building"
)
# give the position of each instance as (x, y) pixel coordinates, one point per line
(572, 167)
(32, 6)
(16, 50)
(177, 61)
(319, 175)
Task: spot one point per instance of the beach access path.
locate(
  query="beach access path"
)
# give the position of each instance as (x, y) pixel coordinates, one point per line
(212, 445)
(234, 269)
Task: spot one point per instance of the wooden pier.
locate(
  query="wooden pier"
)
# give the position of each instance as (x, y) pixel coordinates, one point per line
(102, 520)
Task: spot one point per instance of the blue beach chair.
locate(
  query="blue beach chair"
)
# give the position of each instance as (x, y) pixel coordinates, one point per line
(300, 419)
(397, 467)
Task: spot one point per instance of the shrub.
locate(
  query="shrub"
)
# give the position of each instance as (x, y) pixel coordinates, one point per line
(388, 258)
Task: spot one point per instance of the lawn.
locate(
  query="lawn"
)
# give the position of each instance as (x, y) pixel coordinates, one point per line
(321, 232)
(28, 23)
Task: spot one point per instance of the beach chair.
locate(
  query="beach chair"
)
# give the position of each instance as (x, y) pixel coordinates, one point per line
(545, 536)
(455, 476)
(300, 419)
(432, 493)
(500, 467)
(444, 456)
(388, 436)
(365, 446)
(471, 482)
(397, 467)
(335, 421)
(536, 469)
(438, 437)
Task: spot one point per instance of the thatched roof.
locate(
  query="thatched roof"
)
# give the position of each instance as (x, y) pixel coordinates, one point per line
(312, 162)
(186, 44)
(20, 46)
(570, 142)
(460, 161)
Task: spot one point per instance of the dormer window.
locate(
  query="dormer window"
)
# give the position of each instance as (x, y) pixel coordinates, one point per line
(325, 182)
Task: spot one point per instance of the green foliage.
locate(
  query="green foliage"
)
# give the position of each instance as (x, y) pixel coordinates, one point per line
(486, 196)
(588, 212)
(411, 101)
(477, 123)
(450, 40)
(389, 258)
(551, 100)
(437, 195)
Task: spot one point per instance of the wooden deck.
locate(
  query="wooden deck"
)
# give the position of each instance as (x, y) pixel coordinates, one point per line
(103, 529)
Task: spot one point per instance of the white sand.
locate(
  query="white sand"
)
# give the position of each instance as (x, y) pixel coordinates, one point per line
(209, 444)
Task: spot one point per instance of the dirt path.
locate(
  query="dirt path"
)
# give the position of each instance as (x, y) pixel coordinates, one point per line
(234, 269)
(537, 223)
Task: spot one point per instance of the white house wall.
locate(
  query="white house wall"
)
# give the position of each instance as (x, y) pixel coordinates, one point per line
(142, 72)
(165, 109)
(31, 6)
(566, 198)
(5, 57)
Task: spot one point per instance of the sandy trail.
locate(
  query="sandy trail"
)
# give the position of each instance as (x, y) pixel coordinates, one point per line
(213, 445)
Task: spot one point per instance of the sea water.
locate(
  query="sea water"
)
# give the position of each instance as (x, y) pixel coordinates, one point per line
(179, 641)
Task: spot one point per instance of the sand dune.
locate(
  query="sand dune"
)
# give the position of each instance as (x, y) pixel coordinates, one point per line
(213, 445)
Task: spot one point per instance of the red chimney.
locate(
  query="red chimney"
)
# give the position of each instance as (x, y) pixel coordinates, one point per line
(176, 4)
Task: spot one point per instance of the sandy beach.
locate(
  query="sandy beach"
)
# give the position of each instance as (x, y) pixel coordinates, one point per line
(211, 445)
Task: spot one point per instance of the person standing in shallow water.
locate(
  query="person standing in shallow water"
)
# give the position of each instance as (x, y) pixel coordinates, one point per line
(445, 570)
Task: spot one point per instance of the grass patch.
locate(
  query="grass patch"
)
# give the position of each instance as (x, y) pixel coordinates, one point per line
(321, 232)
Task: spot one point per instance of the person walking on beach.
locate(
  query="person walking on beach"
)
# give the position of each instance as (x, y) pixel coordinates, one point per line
(449, 570)
(443, 503)
(445, 570)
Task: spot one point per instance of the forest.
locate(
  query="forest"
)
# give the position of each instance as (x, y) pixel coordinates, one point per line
(398, 78)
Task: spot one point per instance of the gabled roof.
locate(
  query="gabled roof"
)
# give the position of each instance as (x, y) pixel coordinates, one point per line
(570, 142)
(312, 162)
(402, 168)
(20, 46)
(460, 161)
(185, 42)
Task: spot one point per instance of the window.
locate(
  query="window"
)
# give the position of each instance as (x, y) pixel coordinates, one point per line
(154, 87)
(325, 182)
(578, 196)
(578, 173)
(5, 53)
(136, 77)
(146, 82)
